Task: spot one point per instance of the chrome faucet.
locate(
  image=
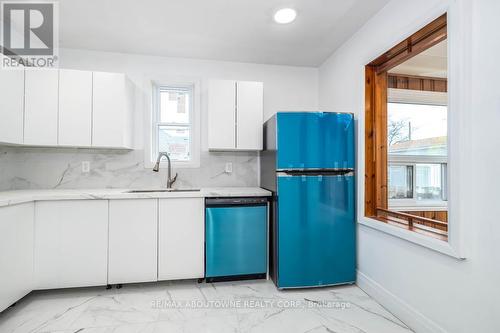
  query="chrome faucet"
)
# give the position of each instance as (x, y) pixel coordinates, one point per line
(156, 168)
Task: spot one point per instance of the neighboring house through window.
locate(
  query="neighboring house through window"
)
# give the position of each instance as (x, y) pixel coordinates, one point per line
(417, 153)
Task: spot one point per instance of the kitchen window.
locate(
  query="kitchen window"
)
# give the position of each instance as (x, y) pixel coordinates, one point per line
(174, 126)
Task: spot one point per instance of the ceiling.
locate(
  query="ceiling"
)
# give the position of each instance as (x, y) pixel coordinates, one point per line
(432, 62)
(231, 30)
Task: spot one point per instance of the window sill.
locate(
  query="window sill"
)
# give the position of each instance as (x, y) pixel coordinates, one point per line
(410, 236)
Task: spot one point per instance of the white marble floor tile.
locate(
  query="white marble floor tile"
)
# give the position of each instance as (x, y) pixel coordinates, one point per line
(186, 306)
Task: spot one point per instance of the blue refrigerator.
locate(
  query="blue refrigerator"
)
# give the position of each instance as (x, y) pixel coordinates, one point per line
(308, 164)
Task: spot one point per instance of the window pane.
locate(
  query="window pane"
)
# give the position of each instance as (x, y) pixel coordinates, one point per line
(416, 129)
(428, 181)
(400, 182)
(176, 141)
(174, 106)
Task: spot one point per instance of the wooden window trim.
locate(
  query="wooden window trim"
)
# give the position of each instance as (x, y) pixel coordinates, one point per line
(375, 140)
(430, 35)
(376, 86)
(414, 82)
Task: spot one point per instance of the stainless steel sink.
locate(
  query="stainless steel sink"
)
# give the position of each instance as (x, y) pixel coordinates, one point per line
(166, 190)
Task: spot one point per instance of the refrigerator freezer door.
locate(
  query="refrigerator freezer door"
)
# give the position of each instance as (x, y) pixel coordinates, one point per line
(316, 231)
(236, 240)
(315, 140)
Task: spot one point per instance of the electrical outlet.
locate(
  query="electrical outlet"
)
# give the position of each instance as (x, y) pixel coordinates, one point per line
(85, 166)
(228, 168)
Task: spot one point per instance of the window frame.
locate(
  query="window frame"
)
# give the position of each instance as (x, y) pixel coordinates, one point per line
(459, 100)
(194, 123)
(376, 122)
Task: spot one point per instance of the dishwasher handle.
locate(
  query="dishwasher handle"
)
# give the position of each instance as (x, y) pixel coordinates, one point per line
(251, 201)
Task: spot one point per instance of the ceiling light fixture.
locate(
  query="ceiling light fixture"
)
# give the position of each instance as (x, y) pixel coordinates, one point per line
(285, 15)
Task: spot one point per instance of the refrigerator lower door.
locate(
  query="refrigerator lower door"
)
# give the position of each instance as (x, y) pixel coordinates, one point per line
(315, 231)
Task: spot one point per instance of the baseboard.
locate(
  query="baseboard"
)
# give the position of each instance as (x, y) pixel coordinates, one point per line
(407, 314)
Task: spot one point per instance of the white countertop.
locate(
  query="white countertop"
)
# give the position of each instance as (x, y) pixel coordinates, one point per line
(8, 198)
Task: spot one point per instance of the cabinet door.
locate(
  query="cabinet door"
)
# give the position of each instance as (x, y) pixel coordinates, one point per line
(181, 238)
(133, 226)
(75, 108)
(71, 243)
(221, 115)
(16, 253)
(249, 115)
(41, 90)
(112, 110)
(11, 105)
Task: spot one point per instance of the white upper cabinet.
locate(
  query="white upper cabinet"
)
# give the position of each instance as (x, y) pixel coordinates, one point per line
(221, 115)
(75, 108)
(250, 113)
(41, 107)
(113, 103)
(235, 115)
(11, 105)
(69, 108)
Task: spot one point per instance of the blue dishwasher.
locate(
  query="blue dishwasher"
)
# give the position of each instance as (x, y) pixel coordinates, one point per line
(235, 239)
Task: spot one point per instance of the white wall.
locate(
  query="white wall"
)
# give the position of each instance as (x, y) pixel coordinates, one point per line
(428, 290)
(286, 88)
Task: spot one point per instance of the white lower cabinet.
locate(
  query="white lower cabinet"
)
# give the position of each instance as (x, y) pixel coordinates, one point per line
(181, 238)
(80, 243)
(16, 253)
(71, 243)
(133, 226)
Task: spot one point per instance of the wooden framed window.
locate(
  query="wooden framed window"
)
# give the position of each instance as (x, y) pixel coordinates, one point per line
(378, 81)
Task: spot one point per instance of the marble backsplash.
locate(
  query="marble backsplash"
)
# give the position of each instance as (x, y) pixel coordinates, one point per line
(50, 168)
